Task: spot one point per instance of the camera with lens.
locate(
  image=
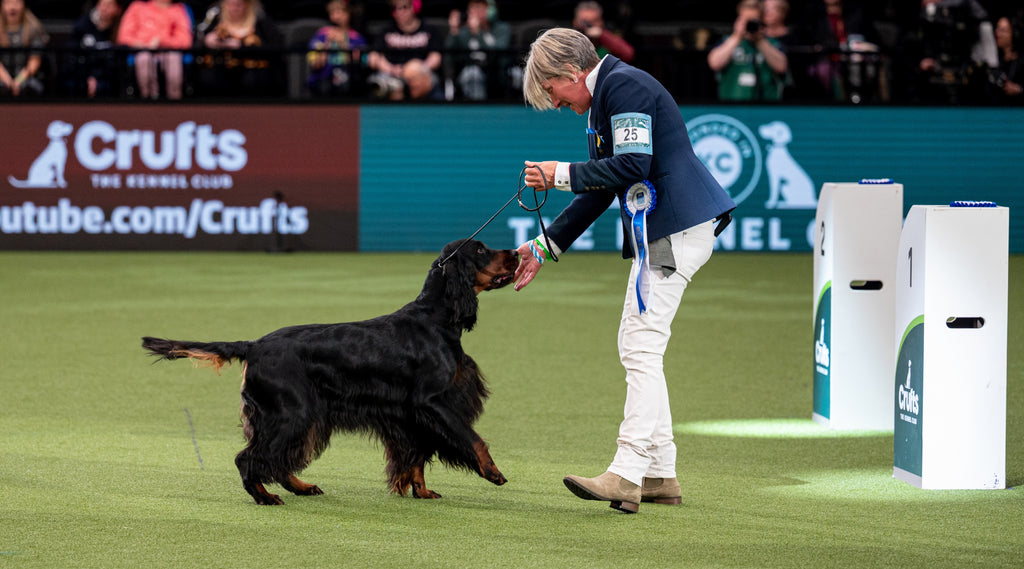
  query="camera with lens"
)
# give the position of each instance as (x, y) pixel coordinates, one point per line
(754, 26)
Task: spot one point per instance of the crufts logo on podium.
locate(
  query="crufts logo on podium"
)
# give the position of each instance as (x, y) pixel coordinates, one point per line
(908, 399)
(822, 398)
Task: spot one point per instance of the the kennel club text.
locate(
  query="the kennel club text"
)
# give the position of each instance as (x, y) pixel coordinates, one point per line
(99, 146)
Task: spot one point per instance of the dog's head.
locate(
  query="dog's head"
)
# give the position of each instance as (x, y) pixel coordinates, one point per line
(469, 267)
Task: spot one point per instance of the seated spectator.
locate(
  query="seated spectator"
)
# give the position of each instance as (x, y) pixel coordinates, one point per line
(748, 65)
(420, 82)
(336, 70)
(835, 30)
(240, 29)
(157, 25)
(406, 38)
(477, 65)
(589, 19)
(95, 69)
(1008, 77)
(20, 70)
(945, 44)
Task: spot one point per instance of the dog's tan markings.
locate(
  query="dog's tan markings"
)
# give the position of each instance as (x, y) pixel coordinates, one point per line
(202, 359)
(488, 470)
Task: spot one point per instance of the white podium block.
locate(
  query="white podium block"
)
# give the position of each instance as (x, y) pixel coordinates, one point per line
(950, 326)
(857, 231)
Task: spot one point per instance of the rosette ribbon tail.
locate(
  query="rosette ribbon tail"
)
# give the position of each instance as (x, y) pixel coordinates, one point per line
(640, 200)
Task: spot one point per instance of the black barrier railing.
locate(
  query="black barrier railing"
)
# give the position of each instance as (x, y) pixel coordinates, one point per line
(815, 76)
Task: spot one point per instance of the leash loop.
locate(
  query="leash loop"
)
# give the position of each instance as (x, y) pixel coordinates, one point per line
(517, 197)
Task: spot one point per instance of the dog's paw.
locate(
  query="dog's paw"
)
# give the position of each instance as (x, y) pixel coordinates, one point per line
(425, 494)
(269, 500)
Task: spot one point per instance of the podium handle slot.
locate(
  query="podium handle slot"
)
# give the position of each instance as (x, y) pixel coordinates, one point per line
(866, 285)
(965, 322)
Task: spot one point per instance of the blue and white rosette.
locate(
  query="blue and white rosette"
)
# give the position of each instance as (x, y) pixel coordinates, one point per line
(640, 201)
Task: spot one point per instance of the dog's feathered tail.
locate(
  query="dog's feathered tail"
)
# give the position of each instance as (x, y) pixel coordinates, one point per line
(216, 354)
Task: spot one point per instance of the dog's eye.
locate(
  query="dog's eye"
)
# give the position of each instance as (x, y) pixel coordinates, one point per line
(480, 251)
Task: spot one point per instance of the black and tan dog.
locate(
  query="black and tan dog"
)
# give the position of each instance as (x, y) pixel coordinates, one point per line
(402, 378)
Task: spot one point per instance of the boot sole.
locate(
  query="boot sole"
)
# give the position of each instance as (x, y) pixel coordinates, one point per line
(581, 492)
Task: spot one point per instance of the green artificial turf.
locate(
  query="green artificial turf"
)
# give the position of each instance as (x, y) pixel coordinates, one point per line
(109, 460)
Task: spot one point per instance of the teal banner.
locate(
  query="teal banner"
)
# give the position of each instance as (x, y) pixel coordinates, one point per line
(431, 174)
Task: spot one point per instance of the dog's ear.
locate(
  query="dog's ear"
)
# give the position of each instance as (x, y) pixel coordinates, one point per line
(459, 277)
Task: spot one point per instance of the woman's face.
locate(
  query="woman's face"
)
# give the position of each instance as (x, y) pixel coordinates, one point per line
(564, 92)
(234, 9)
(107, 9)
(339, 16)
(402, 12)
(1004, 34)
(13, 10)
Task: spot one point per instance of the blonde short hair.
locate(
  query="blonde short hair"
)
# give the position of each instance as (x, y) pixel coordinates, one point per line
(558, 52)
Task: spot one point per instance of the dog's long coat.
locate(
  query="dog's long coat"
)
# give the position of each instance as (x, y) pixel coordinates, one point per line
(403, 378)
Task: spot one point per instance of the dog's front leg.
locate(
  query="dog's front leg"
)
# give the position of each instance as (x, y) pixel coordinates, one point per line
(413, 479)
(488, 469)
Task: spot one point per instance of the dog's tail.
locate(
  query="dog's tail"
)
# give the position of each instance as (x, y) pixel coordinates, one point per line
(216, 354)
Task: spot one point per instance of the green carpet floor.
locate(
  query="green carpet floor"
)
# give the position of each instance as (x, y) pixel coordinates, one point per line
(108, 460)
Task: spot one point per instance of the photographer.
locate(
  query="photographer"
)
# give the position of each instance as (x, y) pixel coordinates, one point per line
(748, 65)
(589, 19)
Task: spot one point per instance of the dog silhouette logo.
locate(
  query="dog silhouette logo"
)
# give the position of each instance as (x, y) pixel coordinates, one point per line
(789, 185)
(47, 170)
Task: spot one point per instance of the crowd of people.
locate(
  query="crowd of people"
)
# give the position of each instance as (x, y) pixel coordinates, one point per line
(943, 51)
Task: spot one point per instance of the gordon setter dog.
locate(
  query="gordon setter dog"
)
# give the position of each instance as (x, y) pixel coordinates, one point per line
(403, 378)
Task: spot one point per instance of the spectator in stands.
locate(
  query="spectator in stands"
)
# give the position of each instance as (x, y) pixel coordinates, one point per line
(748, 65)
(240, 29)
(420, 82)
(473, 40)
(1009, 75)
(335, 71)
(589, 19)
(95, 67)
(157, 25)
(948, 47)
(776, 24)
(20, 70)
(835, 29)
(407, 38)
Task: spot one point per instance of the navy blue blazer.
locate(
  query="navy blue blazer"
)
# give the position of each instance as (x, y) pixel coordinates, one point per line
(687, 194)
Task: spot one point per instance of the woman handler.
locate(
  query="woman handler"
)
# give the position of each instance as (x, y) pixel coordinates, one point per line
(640, 152)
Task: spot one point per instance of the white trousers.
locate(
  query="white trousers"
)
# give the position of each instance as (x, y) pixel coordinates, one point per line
(645, 447)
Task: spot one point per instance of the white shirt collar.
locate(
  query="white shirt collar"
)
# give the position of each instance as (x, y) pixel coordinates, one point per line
(591, 82)
(591, 79)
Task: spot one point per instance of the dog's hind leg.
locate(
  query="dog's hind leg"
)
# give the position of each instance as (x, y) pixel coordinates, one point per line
(303, 455)
(251, 480)
(300, 488)
(252, 466)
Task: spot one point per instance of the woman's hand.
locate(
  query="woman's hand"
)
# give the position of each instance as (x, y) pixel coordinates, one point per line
(528, 266)
(533, 178)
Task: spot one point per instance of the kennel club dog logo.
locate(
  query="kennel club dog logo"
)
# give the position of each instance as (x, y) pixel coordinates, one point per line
(733, 155)
(139, 158)
(47, 171)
